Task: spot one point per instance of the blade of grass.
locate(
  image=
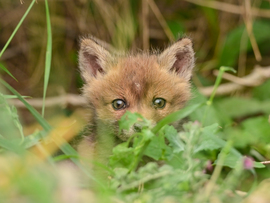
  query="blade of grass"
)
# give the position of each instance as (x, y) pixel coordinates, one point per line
(6, 70)
(17, 27)
(14, 97)
(48, 55)
(176, 116)
(33, 111)
(66, 148)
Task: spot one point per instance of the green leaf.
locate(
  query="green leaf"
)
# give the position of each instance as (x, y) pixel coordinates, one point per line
(157, 149)
(258, 128)
(206, 114)
(231, 159)
(178, 115)
(259, 92)
(174, 140)
(258, 165)
(128, 120)
(239, 137)
(12, 145)
(237, 106)
(231, 48)
(10, 126)
(176, 27)
(209, 139)
(121, 156)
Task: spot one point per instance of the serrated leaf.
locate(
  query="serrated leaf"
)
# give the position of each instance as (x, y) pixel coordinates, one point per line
(174, 139)
(209, 139)
(121, 155)
(157, 148)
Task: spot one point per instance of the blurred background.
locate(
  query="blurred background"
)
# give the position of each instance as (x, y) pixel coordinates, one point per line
(234, 33)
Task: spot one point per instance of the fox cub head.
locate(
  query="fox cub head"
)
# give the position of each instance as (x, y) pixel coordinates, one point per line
(153, 85)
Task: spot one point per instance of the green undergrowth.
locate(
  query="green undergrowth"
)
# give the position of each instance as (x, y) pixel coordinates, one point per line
(216, 157)
(158, 164)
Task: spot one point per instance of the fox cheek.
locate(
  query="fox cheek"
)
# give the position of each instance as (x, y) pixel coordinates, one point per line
(179, 58)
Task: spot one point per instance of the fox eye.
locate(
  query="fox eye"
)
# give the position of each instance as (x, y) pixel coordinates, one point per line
(118, 104)
(159, 103)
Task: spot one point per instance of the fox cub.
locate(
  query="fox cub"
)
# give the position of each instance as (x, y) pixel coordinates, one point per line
(153, 85)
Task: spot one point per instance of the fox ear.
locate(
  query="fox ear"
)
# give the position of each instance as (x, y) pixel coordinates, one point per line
(179, 58)
(93, 58)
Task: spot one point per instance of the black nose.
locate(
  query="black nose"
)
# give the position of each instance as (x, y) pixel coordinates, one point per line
(137, 128)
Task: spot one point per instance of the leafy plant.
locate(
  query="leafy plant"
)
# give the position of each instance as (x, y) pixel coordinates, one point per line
(216, 154)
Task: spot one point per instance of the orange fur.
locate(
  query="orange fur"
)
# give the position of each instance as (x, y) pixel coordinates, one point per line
(136, 79)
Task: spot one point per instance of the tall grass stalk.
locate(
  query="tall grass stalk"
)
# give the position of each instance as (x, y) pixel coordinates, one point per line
(17, 27)
(48, 55)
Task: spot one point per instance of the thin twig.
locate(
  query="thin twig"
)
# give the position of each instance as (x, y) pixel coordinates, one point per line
(265, 162)
(62, 100)
(256, 78)
(249, 24)
(231, 8)
(161, 20)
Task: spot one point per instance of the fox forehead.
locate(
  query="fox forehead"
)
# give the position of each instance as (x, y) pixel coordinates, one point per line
(137, 79)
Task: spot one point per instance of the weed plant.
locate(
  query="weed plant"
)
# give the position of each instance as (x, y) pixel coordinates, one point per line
(205, 162)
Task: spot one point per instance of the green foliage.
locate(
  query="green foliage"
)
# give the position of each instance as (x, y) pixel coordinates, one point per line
(203, 162)
(231, 48)
(260, 92)
(181, 173)
(177, 28)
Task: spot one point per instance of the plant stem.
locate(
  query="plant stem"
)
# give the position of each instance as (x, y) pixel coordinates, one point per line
(218, 80)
